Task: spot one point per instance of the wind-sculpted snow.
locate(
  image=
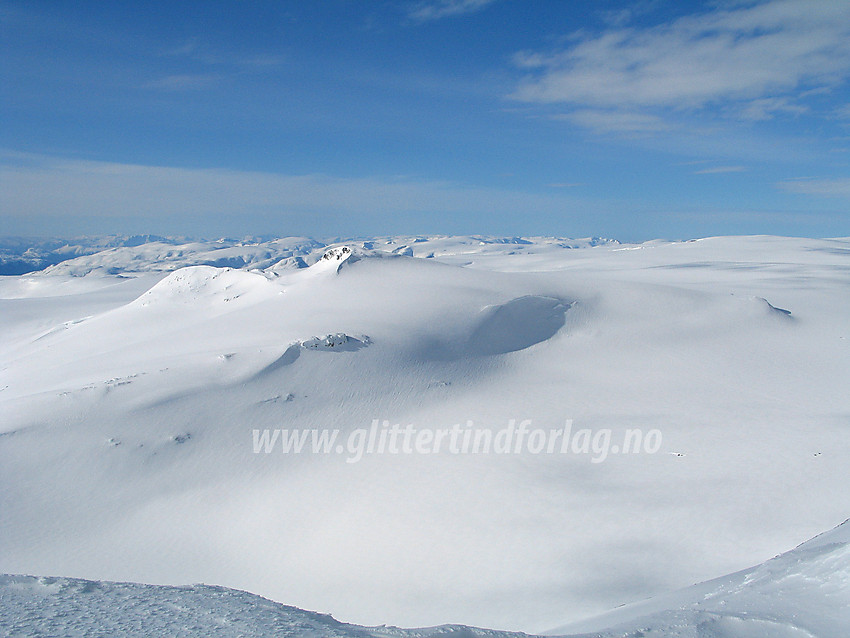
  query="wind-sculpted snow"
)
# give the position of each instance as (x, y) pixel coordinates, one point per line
(128, 403)
(765, 307)
(338, 342)
(516, 325)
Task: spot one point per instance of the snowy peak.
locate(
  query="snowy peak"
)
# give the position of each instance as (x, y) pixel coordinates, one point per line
(207, 285)
(334, 259)
(337, 254)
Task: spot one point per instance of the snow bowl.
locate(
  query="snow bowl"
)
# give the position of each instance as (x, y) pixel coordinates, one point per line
(516, 325)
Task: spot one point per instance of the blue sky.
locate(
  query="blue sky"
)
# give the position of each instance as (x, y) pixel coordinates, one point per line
(631, 120)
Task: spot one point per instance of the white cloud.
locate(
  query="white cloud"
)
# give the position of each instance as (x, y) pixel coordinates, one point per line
(758, 55)
(436, 9)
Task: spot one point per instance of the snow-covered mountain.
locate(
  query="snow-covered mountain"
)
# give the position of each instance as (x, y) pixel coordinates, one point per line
(21, 255)
(133, 381)
(152, 253)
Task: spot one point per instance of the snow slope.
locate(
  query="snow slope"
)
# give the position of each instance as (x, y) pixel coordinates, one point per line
(804, 592)
(129, 401)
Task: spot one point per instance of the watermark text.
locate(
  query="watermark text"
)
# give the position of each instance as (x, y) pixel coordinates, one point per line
(517, 437)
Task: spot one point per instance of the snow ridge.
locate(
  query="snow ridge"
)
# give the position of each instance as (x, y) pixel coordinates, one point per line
(33, 606)
(803, 592)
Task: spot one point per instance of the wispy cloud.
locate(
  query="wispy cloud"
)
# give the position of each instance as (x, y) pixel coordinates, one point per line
(196, 51)
(436, 9)
(767, 108)
(754, 60)
(184, 82)
(204, 65)
(188, 48)
(837, 187)
(41, 185)
(721, 169)
(205, 69)
(616, 121)
(260, 61)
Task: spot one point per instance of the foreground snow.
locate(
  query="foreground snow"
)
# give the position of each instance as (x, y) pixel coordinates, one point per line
(804, 592)
(132, 381)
